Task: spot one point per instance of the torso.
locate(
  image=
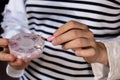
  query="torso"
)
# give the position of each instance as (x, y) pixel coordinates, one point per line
(45, 16)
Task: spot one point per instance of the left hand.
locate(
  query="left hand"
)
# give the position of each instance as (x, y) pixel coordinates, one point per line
(19, 64)
(76, 36)
(12, 60)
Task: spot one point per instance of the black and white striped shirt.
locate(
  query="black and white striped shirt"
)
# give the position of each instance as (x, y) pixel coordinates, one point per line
(46, 16)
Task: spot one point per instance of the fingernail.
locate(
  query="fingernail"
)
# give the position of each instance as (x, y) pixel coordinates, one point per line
(50, 38)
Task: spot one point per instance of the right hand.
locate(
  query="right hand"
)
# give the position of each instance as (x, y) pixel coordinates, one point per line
(78, 37)
(10, 58)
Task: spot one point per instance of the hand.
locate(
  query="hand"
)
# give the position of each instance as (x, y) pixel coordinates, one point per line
(10, 58)
(4, 55)
(19, 64)
(76, 36)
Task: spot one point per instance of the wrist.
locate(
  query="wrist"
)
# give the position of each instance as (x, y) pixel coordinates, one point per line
(103, 54)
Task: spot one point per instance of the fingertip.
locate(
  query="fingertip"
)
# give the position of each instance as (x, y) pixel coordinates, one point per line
(12, 58)
(50, 38)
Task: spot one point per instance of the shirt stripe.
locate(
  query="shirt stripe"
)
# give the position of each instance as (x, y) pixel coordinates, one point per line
(46, 16)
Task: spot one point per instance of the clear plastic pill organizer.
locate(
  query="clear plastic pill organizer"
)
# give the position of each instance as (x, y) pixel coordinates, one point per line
(26, 46)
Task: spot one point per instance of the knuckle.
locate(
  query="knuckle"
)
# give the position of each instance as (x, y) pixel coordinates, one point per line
(91, 34)
(72, 23)
(84, 26)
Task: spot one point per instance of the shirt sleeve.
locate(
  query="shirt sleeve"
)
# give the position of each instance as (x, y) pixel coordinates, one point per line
(14, 73)
(15, 18)
(112, 72)
(14, 21)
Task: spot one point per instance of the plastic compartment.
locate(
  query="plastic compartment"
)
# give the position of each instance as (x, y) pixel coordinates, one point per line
(26, 46)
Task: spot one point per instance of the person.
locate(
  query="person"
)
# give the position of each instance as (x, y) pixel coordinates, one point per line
(82, 32)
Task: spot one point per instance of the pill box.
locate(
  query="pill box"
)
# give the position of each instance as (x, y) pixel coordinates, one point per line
(26, 46)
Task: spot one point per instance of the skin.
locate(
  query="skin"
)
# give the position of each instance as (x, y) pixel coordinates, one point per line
(72, 35)
(11, 59)
(77, 36)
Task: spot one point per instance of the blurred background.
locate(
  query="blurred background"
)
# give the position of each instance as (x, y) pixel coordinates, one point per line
(3, 75)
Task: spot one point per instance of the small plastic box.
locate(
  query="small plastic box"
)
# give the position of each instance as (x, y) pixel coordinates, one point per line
(26, 46)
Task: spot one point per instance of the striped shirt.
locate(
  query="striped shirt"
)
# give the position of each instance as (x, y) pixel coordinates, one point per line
(46, 16)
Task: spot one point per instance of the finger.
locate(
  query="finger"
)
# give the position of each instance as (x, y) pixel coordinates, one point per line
(6, 57)
(70, 35)
(68, 26)
(3, 42)
(88, 52)
(19, 64)
(77, 43)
